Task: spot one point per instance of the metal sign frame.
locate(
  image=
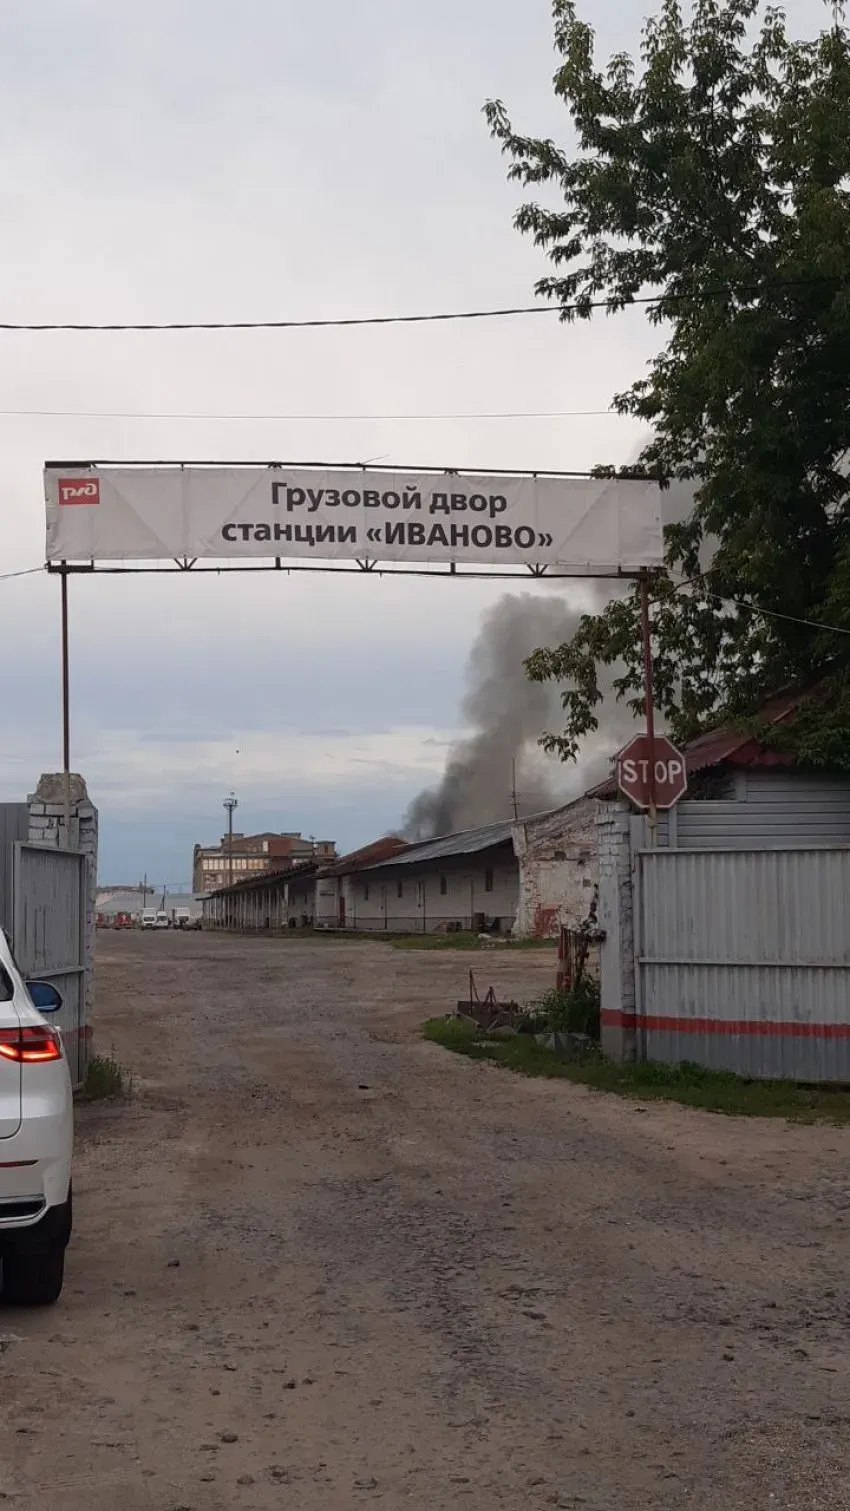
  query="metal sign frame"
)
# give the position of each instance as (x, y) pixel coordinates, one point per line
(362, 566)
(367, 563)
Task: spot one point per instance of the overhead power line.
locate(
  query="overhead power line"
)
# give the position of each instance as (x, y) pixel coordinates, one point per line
(578, 307)
(128, 414)
(739, 603)
(754, 608)
(24, 572)
(277, 325)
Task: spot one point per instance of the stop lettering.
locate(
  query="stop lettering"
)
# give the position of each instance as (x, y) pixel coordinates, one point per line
(633, 772)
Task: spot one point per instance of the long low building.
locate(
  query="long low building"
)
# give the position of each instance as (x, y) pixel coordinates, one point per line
(462, 881)
(256, 903)
(524, 878)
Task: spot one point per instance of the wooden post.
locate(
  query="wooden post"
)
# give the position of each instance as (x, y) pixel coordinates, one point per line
(646, 640)
(66, 709)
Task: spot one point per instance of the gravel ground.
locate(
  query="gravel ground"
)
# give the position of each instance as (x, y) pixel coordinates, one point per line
(320, 1264)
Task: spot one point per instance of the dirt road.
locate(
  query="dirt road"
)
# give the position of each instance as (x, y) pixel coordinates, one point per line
(319, 1264)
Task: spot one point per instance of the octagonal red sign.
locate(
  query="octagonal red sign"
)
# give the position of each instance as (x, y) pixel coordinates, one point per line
(671, 778)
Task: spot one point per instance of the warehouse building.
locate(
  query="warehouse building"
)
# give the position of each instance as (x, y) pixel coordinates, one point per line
(299, 886)
(299, 897)
(462, 881)
(256, 902)
(336, 905)
(524, 878)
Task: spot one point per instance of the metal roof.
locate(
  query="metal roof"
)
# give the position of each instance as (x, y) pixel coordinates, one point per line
(379, 852)
(274, 876)
(470, 842)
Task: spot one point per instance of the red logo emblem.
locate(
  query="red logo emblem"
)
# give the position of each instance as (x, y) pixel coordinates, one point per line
(79, 490)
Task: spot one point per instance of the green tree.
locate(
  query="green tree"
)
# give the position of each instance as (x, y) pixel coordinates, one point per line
(711, 175)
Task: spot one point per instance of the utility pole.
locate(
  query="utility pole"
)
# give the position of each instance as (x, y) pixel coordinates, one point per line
(649, 705)
(513, 792)
(230, 803)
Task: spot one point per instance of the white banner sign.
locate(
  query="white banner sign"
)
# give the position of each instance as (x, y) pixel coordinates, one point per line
(578, 525)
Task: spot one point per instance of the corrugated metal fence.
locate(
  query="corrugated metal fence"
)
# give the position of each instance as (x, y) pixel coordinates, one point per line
(14, 825)
(743, 960)
(49, 936)
(43, 910)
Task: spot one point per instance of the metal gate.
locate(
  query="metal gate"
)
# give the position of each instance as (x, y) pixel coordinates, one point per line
(49, 932)
(743, 960)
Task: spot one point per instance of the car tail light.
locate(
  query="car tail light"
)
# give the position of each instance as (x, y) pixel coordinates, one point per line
(31, 1044)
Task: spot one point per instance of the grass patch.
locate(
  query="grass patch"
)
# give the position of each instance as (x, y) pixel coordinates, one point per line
(691, 1085)
(460, 941)
(105, 1080)
(463, 941)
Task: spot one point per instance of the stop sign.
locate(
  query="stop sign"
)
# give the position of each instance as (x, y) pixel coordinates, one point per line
(671, 778)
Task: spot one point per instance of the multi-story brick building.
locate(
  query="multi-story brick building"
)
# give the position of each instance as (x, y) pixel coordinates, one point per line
(254, 854)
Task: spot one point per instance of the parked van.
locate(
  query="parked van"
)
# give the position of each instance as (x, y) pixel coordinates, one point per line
(162, 921)
(149, 918)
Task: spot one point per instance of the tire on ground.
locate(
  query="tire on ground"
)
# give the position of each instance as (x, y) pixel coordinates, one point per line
(33, 1279)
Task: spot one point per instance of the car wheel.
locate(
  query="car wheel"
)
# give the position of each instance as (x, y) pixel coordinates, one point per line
(33, 1279)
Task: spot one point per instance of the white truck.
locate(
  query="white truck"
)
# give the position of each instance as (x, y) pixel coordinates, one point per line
(148, 919)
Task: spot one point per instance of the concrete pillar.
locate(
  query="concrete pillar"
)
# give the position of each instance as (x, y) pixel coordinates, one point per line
(616, 918)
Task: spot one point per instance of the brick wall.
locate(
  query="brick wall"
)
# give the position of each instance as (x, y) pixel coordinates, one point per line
(558, 870)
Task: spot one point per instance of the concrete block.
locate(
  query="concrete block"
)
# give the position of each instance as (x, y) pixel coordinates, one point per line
(52, 785)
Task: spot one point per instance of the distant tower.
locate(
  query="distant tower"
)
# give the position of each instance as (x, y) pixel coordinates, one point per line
(230, 803)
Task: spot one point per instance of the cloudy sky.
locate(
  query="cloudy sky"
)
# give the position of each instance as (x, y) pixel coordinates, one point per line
(261, 160)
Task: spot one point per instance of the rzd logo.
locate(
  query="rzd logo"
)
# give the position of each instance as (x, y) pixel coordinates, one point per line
(79, 490)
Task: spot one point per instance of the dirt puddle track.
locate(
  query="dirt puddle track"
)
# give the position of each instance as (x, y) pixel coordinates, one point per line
(321, 1265)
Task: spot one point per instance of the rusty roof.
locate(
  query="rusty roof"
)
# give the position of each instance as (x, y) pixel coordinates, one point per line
(379, 850)
(274, 876)
(368, 855)
(729, 747)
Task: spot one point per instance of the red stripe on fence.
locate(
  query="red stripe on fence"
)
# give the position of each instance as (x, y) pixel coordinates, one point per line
(77, 1033)
(755, 1027)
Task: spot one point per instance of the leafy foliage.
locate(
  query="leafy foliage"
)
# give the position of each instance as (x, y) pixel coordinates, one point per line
(712, 174)
(576, 1011)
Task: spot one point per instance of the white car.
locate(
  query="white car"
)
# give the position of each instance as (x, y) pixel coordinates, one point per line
(36, 1139)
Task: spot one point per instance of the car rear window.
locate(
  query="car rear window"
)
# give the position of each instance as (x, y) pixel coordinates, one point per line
(7, 990)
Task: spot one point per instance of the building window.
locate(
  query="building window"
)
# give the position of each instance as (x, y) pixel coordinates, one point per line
(443, 886)
(401, 889)
(488, 880)
(365, 891)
